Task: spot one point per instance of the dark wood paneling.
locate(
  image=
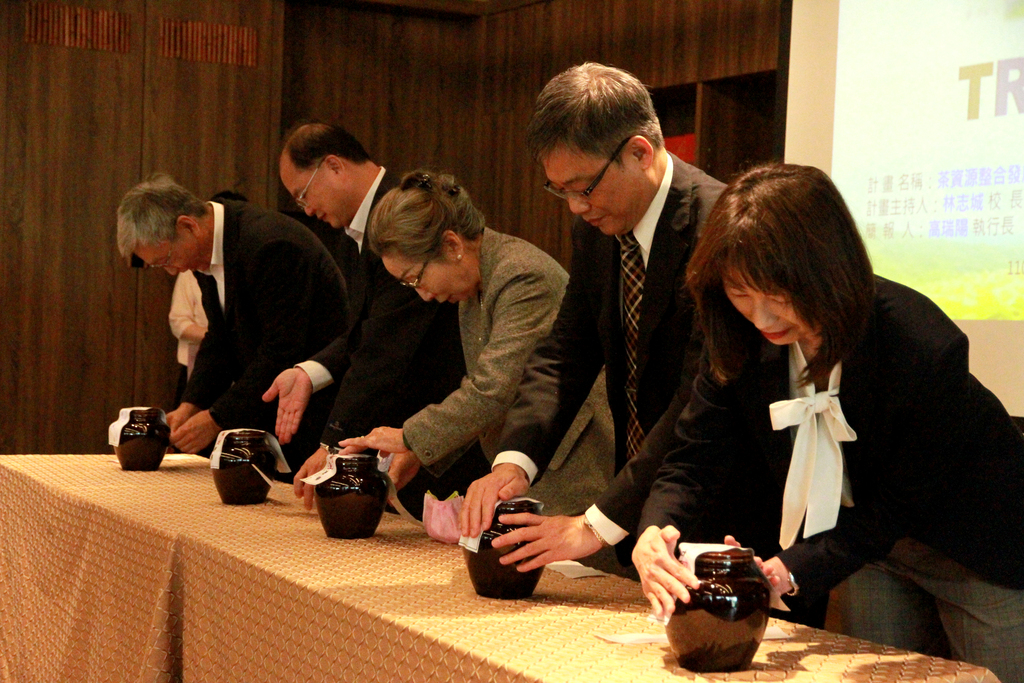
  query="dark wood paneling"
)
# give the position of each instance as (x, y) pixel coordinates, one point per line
(72, 145)
(207, 125)
(83, 335)
(401, 84)
(738, 37)
(10, 287)
(736, 123)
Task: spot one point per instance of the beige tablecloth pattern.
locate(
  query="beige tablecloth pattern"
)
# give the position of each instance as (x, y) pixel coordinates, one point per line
(108, 575)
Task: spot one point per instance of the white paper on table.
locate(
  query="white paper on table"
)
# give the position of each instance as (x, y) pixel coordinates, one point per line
(170, 457)
(575, 570)
(662, 621)
(775, 633)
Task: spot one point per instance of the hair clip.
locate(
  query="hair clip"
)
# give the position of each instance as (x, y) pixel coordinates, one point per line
(423, 181)
(453, 190)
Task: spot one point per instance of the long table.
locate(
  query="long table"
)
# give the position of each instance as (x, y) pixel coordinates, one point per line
(108, 575)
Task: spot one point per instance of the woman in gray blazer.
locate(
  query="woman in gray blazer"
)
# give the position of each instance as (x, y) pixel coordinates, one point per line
(431, 237)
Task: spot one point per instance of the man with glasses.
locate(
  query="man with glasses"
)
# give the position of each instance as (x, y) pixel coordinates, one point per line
(399, 353)
(638, 211)
(272, 296)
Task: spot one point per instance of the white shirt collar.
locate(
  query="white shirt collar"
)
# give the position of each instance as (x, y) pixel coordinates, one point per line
(358, 226)
(644, 230)
(217, 257)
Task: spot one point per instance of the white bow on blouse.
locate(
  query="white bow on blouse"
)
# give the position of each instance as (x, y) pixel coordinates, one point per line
(815, 483)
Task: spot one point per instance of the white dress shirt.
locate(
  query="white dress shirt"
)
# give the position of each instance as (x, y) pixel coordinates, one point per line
(644, 230)
(318, 374)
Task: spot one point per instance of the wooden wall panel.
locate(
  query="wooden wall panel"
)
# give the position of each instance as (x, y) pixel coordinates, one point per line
(207, 124)
(72, 144)
(10, 376)
(737, 119)
(400, 84)
(738, 37)
(83, 335)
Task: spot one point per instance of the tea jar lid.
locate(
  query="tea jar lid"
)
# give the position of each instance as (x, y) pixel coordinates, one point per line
(123, 418)
(243, 437)
(248, 435)
(361, 459)
(724, 559)
(518, 505)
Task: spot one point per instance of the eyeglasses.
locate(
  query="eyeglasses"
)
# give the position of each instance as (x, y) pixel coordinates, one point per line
(301, 199)
(166, 261)
(415, 282)
(585, 194)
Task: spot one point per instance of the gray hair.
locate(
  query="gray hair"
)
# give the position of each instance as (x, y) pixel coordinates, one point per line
(148, 214)
(410, 220)
(591, 108)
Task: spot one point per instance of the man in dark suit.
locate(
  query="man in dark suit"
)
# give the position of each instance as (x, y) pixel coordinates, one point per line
(595, 132)
(271, 292)
(400, 353)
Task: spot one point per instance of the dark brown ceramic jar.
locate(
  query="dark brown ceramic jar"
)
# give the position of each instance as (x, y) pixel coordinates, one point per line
(351, 503)
(144, 440)
(237, 480)
(722, 626)
(491, 578)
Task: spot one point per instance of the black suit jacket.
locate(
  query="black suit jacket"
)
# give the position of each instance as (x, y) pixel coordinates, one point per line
(588, 334)
(936, 457)
(284, 298)
(399, 355)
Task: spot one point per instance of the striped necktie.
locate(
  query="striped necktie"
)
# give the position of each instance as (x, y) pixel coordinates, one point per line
(632, 293)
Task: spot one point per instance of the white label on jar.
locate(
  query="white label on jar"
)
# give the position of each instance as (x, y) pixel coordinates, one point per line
(114, 430)
(282, 464)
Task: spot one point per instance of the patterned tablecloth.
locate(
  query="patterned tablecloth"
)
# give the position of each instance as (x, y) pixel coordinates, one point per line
(108, 575)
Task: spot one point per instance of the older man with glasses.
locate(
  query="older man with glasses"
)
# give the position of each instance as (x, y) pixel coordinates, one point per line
(638, 212)
(399, 353)
(271, 292)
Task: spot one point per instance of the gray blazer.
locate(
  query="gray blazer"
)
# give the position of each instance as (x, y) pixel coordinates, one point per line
(521, 289)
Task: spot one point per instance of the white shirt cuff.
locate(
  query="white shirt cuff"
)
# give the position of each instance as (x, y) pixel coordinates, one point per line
(517, 458)
(318, 374)
(611, 532)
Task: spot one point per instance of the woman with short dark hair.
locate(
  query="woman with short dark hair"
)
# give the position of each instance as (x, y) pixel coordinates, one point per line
(432, 238)
(912, 486)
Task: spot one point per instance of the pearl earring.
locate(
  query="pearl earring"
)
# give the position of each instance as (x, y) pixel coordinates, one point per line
(459, 257)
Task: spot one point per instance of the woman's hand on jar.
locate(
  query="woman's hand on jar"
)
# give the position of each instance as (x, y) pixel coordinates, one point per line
(778, 575)
(731, 540)
(384, 439)
(663, 577)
